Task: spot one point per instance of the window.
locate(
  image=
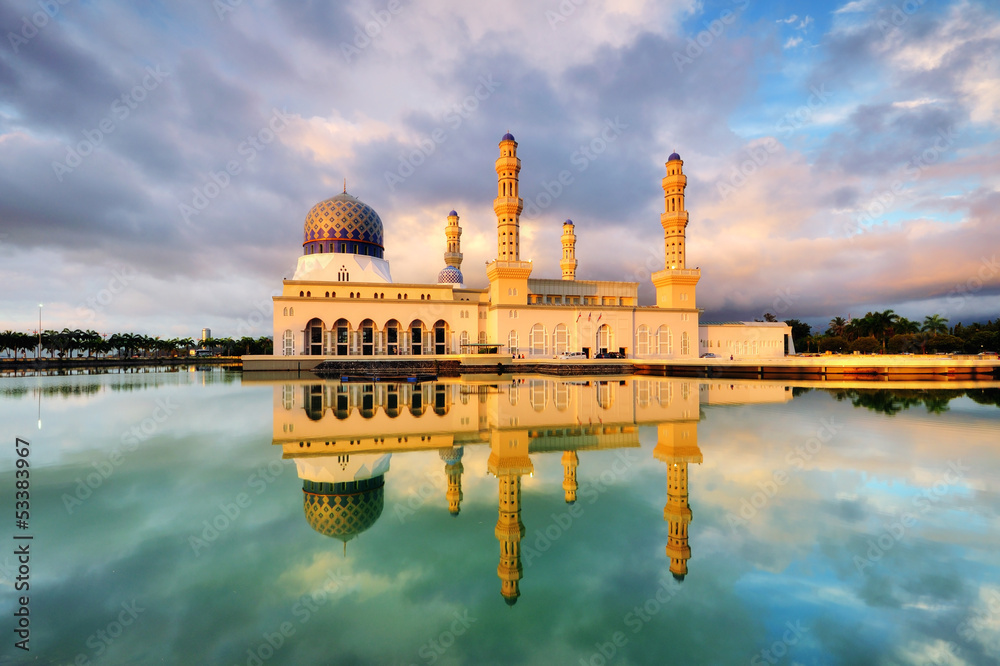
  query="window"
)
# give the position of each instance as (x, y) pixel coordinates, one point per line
(288, 341)
(536, 340)
(291, 312)
(285, 312)
(463, 342)
(685, 344)
(605, 338)
(642, 340)
(512, 342)
(560, 339)
(664, 341)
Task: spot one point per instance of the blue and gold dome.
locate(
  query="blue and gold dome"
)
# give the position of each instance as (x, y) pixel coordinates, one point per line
(450, 275)
(343, 510)
(343, 224)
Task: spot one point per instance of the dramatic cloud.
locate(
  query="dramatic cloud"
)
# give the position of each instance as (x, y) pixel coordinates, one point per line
(846, 152)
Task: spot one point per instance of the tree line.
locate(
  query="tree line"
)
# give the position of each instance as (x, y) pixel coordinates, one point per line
(890, 333)
(91, 344)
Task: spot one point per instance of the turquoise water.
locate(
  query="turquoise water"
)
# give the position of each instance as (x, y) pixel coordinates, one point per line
(197, 517)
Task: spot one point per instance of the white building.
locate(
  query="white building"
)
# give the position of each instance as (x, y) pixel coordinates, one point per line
(342, 300)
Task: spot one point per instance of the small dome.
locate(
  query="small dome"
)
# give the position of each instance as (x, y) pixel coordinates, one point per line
(453, 213)
(452, 455)
(345, 218)
(450, 275)
(569, 222)
(673, 156)
(507, 137)
(510, 600)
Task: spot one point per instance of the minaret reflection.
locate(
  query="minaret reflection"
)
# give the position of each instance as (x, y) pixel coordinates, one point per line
(453, 471)
(677, 446)
(341, 436)
(509, 461)
(569, 462)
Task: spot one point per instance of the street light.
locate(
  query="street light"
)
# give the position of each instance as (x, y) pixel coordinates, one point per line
(38, 355)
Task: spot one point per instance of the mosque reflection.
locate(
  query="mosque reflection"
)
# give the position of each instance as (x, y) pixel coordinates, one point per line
(342, 437)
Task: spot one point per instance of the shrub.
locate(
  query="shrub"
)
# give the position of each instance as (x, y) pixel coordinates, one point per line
(833, 343)
(866, 345)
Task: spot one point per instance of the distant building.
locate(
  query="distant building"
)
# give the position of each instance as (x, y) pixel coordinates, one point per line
(342, 301)
(206, 333)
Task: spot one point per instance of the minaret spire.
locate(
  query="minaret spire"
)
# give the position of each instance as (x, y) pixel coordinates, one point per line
(508, 204)
(674, 218)
(453, 242)
(568, 262)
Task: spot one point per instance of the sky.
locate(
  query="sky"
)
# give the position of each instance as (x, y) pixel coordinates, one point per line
(157, 161)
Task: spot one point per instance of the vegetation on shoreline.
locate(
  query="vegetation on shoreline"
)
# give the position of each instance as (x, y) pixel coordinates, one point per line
(889, 333)
(91, 344)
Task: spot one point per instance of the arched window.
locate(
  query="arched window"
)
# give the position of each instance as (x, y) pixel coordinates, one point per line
(537, 394)
(536, 340)
(685, 344)
(291, 312)
(605, 338)
(288, 343)
(642, 340)
(285, 312)
(560, 339)
(463, 342)
(605, 394)
(664, 341)
(512, 342)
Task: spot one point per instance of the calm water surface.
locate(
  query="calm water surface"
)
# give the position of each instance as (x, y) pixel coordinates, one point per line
(199, 517)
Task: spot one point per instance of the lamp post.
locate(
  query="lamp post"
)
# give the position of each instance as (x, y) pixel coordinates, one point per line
(38, 355)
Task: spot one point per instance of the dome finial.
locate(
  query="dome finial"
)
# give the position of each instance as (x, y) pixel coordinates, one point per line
(345, 185)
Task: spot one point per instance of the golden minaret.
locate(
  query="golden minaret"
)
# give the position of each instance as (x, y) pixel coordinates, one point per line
(568, 262)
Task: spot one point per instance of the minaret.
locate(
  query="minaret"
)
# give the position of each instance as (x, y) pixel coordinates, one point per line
(453, 470)
(675, 284)
(452, 271)
(677, 446)
(568, 261)
(508, 275)
(508, 204)
(509, 461)
(453, 239)
(674, 218)
(569, 463)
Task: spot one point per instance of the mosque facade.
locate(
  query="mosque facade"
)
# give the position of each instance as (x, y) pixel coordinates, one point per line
(342, 300)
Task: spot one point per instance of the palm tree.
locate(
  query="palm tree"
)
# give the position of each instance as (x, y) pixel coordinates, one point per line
(935, 324)
(906, 326)
(838, 325)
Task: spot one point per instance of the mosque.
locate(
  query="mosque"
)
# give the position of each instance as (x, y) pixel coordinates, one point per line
(342, 301)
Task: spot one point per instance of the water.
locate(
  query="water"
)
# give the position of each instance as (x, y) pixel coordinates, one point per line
(198, 517)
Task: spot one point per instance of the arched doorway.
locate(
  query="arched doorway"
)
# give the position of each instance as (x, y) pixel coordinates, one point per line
(314, 338)
(392, 337)
(341, 333)
(417, 337)
(441, 337)
(367, 337)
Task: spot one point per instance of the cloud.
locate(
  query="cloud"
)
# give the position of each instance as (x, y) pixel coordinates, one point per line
(362, 92)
